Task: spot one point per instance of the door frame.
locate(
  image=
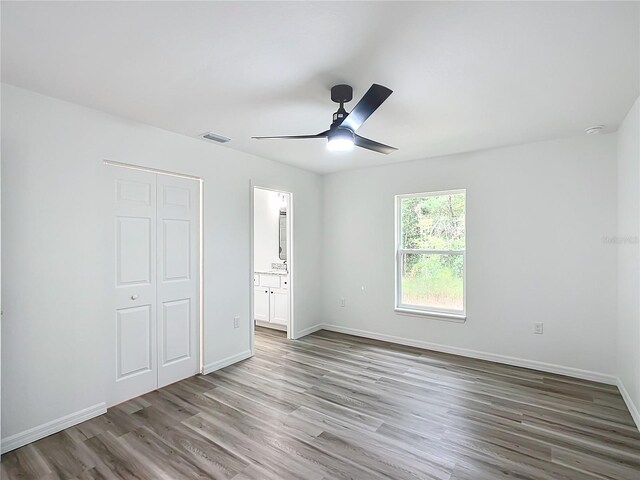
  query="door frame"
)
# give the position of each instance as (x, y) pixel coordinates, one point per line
(200, 253)
(290, 261)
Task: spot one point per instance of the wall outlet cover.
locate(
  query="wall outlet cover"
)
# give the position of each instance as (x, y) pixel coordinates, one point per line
(538, 328)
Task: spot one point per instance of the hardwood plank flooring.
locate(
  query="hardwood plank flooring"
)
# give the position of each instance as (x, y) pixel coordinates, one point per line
(332, 406)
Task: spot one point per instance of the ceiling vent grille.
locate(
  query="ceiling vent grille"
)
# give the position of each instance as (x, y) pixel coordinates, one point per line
(214, 137)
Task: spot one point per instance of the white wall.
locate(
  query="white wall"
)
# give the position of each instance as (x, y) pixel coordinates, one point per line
(628, 249)
(536, 218)
(56, 294)
(266, 233)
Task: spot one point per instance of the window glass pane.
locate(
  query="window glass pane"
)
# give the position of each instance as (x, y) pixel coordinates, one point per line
(433, 280)
(434, 222)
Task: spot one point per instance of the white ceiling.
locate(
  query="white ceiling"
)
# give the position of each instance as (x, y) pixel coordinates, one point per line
(466, 76)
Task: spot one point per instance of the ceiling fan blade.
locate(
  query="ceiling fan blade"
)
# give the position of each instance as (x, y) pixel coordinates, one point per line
(371, 145)
(295, 137)
(368, 104)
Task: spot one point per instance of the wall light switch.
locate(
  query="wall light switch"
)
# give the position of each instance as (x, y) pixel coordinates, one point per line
(537, 328)
(342, 302)
(236, 322)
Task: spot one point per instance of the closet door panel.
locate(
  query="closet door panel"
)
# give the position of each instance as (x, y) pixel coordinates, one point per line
(132, 322)
(178, 295)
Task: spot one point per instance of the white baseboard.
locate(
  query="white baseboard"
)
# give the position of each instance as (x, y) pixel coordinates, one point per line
(54, 426)
(272, 326)
(36, 433)
(309, 331)
(492, 357)
(633, 410)
(225, 362)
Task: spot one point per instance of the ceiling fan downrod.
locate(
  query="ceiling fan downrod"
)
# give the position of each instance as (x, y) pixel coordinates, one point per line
(340, 94)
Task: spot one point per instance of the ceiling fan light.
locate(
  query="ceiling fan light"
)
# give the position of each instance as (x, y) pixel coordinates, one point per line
(340, 145)
(340, 140)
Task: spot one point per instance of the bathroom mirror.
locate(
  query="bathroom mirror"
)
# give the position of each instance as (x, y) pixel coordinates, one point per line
(283, 234)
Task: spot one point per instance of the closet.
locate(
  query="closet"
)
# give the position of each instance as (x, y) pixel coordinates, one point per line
(154, 322)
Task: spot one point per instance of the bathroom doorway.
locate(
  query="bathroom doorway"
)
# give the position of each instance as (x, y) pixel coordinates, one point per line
(271, 261)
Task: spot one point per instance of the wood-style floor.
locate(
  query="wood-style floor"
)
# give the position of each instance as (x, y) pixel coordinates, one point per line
(331, 406)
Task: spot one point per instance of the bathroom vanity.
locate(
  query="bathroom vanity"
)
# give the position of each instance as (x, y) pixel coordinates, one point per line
(271, 299)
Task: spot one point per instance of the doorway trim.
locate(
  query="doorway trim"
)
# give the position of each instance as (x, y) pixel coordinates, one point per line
(200, 326)
(290, 261)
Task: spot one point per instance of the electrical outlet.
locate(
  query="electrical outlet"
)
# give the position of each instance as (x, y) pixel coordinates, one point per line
(236, 322)
(342, 302)
(537, 328)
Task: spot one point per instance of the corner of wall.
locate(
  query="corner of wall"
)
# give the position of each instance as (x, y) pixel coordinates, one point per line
(633, 410)
(225, 362)
(628, 257)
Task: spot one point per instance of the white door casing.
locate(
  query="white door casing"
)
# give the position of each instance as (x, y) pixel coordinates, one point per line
(178, 296)
(155, 322)
(134, 360)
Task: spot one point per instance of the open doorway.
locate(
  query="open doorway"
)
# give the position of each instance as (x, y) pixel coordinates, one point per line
(272, 262)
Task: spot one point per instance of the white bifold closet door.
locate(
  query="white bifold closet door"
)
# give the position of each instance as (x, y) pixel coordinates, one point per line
(156, 281)
(177, 278)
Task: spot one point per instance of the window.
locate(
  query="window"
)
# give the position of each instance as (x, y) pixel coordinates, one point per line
(430, 254)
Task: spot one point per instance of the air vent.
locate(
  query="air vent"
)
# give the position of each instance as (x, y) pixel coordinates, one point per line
(214, 137)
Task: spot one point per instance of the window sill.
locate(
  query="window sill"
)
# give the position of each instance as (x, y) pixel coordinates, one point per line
(449, 317)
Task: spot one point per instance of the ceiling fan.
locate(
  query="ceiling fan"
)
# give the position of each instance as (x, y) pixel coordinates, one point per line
(342, 134)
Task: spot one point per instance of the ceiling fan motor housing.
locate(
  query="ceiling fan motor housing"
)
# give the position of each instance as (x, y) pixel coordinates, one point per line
(339, 116)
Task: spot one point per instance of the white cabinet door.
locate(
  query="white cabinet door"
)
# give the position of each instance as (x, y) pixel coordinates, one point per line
(261, 303)
(177, 239)
(133, 363)
(279, 306)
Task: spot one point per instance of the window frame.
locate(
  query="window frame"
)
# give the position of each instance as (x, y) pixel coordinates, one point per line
(417, 310)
